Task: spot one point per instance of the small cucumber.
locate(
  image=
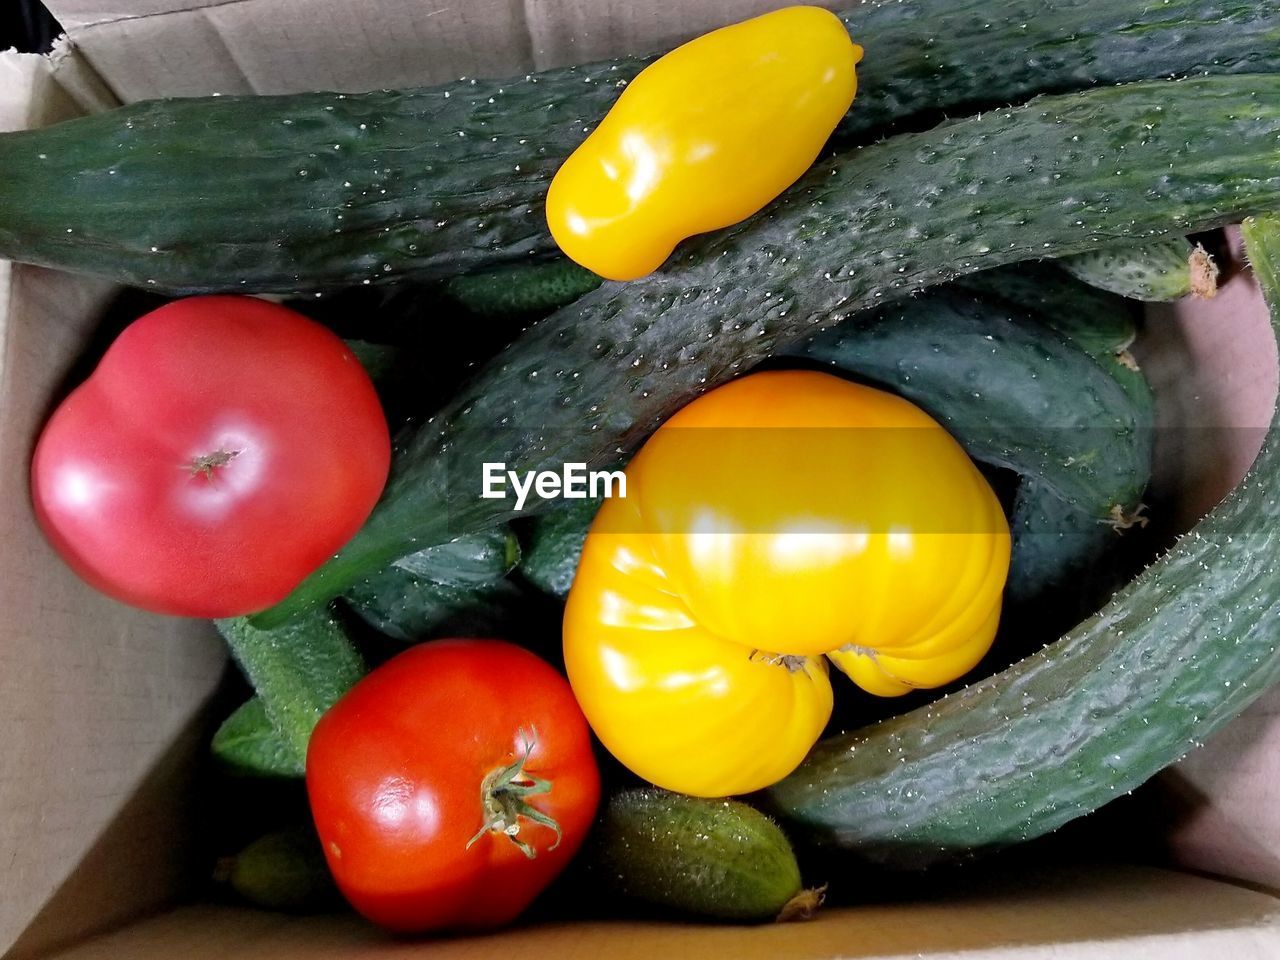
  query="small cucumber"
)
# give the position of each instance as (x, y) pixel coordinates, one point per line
(1159, 271)
(521, 290)
(299, 670)
(248, 744)
(718, 859)
(284, 871)
(555, 545)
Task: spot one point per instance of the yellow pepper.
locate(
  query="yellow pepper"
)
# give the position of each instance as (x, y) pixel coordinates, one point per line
(703, 138)
(778, 518)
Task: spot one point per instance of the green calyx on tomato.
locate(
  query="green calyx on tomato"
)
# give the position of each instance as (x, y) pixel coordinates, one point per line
(503, 795)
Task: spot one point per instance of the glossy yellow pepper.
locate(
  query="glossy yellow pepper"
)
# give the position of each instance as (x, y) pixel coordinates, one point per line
(702, 138)
(783, 516)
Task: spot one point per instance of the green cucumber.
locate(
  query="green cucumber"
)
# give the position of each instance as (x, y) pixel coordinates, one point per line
(1157, 272)
(247, 744)
(466, 561)
(459, 586)
(716, 859)
(429, 183)
(1053, 177)
(550, 561)
(1056, 545)
(1013, 392)
(411, 608)
(1101, 324)
(299, 670)
(521, 290)
(1173, 656)
(284, 871)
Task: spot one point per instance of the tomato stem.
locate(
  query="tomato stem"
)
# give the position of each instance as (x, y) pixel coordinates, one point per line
(208, 462)
(504, 794)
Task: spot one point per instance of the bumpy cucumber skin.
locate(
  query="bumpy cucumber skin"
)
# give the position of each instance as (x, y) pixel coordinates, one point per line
(1013, 392)
(523, 290)
(1174, 655)
(429, 183)
(1156, 272)
(555, 545)
(247, 744)
(1101, 324)
(718, 859)
(1059, 175)
(299, 669)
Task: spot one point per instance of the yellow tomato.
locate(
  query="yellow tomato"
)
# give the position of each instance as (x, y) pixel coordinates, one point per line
(783, 516)
(702, 138)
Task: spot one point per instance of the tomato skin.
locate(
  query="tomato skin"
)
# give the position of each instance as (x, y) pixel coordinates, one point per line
(296, 446)
(395, 772)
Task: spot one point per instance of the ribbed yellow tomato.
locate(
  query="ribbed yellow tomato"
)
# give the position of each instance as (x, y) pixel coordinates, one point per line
(702, 138)
(783, 516)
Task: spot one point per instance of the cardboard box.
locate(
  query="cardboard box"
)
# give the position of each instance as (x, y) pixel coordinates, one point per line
(105, 711)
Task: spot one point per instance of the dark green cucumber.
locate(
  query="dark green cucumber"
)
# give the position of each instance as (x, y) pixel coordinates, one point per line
(299, 670)
(1177, 653)
(521, 290)
(459, 586)
(248, 744)
(717, 859)
(1102, 324)
(283, 871)
(588, 384)
(1155, 272)
(1011, 390)
(446, 180)
(555, 541)
(467, 561)
(409, 607)
(1056, 544)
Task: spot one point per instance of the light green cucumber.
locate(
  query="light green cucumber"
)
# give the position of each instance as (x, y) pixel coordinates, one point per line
(521, 290)
(284, 871)
(1160, 271)
(715, 859)
(299, 670)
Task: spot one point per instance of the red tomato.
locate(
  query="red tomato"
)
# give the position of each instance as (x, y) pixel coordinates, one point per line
(451, 785)
(221, 451)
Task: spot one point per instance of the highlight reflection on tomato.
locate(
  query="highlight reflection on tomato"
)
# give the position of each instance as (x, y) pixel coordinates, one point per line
(451, 785)
(222, 450)
(781, 517)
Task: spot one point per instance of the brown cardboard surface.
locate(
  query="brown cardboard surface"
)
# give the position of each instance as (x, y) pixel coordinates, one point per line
(150, 48)
(105, 702)
(92, 694)
(1213, 366)
(1082, 914)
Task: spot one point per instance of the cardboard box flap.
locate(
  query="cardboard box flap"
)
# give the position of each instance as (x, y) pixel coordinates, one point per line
(1095, 913)
(92, 694)
(153, 48)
